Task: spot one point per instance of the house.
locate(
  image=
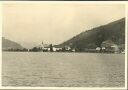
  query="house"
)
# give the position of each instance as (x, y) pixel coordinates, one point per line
(73, 50)
(115, 48)
(57, 48)
(67, 48)
(109, 46)
(98, 49)
(44, 47)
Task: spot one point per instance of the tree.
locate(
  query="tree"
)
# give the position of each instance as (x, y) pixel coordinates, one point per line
(51, 48)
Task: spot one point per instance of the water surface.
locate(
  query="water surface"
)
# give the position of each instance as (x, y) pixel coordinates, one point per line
(62, 69)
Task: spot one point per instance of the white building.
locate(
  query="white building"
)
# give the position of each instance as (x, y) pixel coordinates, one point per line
(98, 49)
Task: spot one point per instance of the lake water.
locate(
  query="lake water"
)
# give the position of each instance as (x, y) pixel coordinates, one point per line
(39, 69)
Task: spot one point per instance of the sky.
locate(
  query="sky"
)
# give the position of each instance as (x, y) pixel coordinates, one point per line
(31, 23)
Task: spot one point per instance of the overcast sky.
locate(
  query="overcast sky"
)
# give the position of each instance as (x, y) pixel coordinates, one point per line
(30, 24)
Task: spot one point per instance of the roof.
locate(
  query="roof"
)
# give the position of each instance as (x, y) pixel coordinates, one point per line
(57, 46)
(108, 43)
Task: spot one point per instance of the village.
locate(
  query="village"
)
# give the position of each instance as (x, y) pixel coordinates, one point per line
(106, 47)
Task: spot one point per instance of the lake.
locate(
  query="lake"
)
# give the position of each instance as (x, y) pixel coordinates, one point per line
(45, 69)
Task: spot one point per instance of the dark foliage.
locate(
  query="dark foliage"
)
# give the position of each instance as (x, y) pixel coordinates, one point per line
(8, 44)
(93, 38)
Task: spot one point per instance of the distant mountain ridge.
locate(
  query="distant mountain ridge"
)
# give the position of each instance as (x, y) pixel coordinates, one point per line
(8, 44)
(114, 31)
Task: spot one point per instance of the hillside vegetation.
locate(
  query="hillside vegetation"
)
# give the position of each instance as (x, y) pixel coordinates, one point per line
(8, 44)
(93, 38)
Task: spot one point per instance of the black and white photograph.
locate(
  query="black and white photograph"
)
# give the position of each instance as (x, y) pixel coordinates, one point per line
(63, 89)
(64, 0)
(50, 44)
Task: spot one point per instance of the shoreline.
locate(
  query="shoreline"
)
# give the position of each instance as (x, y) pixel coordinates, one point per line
(61, 52)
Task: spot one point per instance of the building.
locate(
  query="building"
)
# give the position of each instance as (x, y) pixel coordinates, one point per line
(67, 48)
(109, 46)
(57, 48)
(98, 49)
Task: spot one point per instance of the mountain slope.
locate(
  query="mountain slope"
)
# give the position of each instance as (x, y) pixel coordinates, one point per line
(93, 38)
(8, 44)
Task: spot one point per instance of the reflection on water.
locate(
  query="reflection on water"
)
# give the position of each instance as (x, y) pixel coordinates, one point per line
(62, 69)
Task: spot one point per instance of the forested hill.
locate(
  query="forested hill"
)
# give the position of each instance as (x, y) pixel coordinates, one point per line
(8, 44)
(114, 31)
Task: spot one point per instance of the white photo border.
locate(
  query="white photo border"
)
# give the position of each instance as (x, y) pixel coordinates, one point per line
(125, 3)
